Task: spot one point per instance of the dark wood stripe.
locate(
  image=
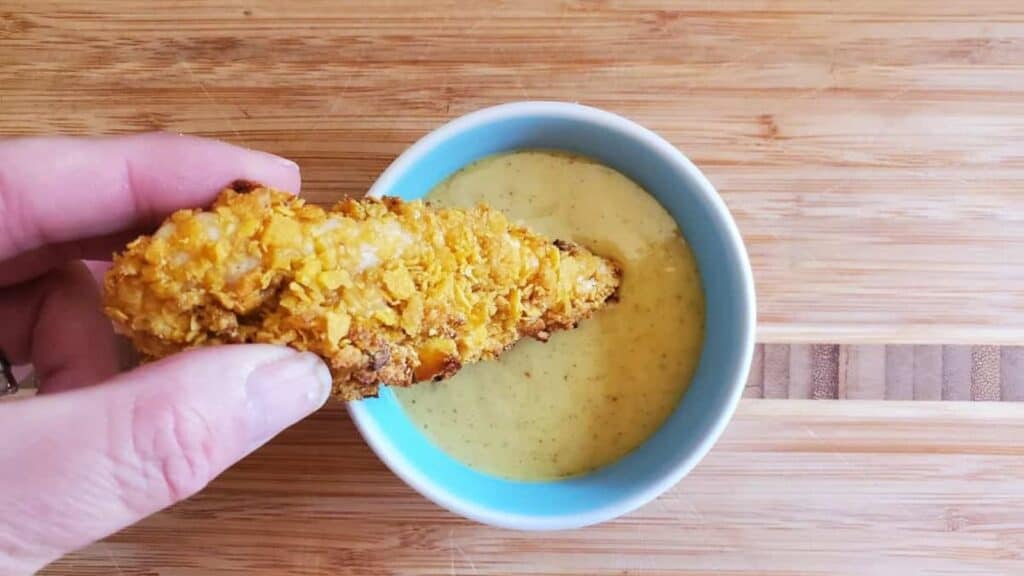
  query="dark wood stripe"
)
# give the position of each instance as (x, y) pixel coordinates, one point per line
(899, 372)
(927, 372)
(776, 371)
(893, 372)
(956, 373)
(825, 372)
(985, 373)
(1011, 365)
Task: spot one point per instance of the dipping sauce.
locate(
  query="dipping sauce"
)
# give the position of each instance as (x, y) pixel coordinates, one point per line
(590, 395)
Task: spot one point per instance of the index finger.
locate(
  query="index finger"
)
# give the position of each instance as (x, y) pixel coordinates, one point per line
(59, 190)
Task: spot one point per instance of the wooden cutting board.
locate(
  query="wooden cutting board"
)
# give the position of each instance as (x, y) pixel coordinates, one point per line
(794, 487)
(871, 151)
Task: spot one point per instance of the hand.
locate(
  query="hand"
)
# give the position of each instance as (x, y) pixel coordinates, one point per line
(94, 451)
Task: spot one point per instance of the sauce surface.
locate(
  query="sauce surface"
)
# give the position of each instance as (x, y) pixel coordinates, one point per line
(590, 395)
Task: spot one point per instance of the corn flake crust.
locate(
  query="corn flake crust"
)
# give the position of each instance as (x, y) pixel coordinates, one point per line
(386, 292)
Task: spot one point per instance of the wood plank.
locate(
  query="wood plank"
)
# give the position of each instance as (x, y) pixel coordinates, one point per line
(928, 372)
(985, 371)
(899, 372)
(956, 372)
(794, 487)
(842, 383)
(800, 371)
(869, 151)
(825, 372)
(776, 371)
(1012, 373)
(864, 372)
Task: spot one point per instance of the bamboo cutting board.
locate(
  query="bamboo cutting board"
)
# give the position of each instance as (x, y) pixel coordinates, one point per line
(871, 151)
(794, 487)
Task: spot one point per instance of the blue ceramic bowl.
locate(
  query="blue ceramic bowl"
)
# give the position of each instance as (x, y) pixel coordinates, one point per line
(709, 402)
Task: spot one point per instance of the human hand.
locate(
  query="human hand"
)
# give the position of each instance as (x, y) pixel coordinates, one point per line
(94, 451)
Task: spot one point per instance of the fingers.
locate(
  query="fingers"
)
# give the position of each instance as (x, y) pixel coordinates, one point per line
(56, 322)
(78, 466)
(59, 190)
(35, 262)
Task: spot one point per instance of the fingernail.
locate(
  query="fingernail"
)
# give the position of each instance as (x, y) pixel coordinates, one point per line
(290, 164)
(283, 392)
(271, 170)
(279, 160)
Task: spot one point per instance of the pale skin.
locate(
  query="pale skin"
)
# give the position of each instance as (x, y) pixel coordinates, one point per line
(97, 450)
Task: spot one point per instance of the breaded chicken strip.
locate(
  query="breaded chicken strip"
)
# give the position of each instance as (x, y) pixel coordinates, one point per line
(387, 292)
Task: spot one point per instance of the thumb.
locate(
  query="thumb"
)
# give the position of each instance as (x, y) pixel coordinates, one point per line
(77, 466)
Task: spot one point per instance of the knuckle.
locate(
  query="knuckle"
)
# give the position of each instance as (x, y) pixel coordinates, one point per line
(173, 444)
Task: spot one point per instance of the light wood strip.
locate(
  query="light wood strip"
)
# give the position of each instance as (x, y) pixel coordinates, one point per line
(928, 372)
(842, 369)
(956, 372)
(985, 373)
(776, 371)
(801, 371)
(796, 487)
(865, 372)
(755, 382)
(899, 372)
(1012, 373)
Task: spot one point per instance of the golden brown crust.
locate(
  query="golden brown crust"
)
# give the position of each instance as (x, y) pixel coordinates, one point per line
(387, 292)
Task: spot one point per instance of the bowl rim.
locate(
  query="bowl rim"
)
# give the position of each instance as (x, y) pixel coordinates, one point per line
(450, 500)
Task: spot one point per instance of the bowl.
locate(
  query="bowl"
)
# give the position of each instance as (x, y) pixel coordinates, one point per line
(702, 414)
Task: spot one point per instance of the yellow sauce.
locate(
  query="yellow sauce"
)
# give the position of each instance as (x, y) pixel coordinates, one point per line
(589, 395)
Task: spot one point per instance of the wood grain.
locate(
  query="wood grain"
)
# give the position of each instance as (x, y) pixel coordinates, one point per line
(899, 372)
(927, 372)
(776, 371)
(870, 151)
(985, 373)
(956, 372)
(863, 373)
(893, 372)
(825, 372)
(797, 487)
(1012, 373)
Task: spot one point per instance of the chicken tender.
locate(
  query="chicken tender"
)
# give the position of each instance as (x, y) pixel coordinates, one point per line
(386, 292)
